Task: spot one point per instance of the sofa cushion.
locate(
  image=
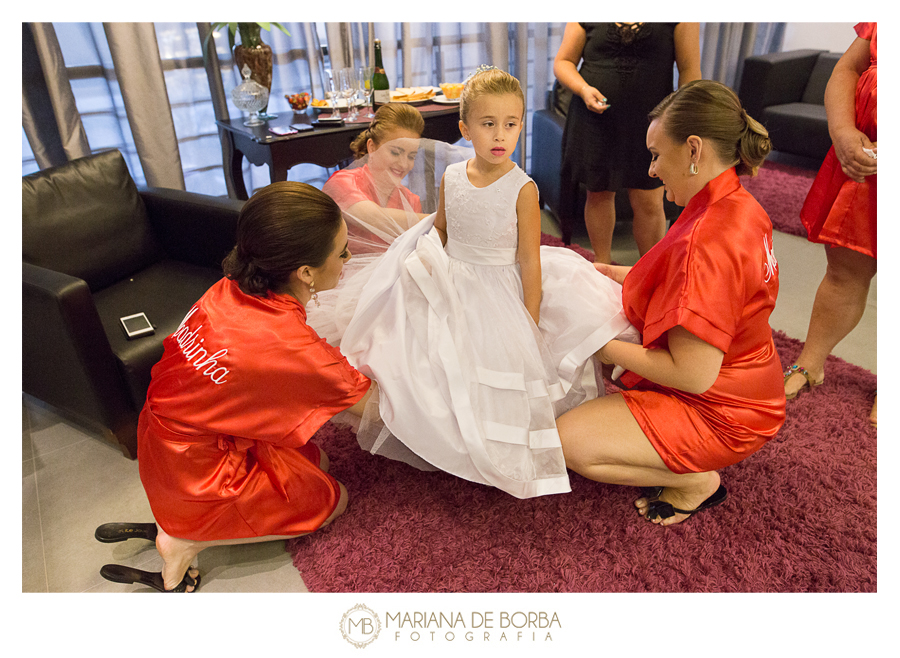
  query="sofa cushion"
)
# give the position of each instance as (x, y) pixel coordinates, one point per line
(164, 292)
(818, 79)
(798, 128)
(86, 219)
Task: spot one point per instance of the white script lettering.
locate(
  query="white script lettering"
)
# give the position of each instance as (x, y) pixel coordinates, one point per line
(771, 264)
(196, 354)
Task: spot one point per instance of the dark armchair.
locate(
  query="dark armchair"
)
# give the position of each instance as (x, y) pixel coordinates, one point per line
(95, 248)
(786, 93)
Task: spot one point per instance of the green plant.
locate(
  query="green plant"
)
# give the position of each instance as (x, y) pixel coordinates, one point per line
(249, 33)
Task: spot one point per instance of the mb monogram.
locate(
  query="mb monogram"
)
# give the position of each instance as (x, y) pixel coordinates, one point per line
(360, 626)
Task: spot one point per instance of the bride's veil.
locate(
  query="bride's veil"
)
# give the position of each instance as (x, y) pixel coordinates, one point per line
(371, 231)
(376, 215)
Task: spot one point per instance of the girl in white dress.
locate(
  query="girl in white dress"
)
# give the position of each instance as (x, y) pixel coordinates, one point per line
(478, 337)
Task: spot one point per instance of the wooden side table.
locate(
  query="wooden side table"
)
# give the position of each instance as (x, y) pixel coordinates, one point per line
(326, 147)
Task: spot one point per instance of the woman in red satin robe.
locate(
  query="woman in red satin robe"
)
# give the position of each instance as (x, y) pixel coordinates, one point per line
(704, 389)
(224, 438)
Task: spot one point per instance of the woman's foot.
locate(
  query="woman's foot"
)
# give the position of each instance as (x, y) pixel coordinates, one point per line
(177, 555)
(685, 498)
(796, 378)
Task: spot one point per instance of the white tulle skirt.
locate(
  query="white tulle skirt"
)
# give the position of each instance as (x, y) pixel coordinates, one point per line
(466, 382)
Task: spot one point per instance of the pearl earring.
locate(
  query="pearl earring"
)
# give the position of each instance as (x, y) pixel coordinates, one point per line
(315, 295)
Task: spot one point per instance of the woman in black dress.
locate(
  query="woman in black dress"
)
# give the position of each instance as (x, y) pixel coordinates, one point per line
(626, 70)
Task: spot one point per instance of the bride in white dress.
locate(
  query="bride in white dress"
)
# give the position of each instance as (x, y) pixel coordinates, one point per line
(477, 337)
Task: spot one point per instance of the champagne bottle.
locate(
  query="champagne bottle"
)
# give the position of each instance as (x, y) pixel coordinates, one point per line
(380, 84)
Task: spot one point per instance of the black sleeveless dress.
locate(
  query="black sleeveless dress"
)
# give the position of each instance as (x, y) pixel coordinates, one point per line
(632, 65)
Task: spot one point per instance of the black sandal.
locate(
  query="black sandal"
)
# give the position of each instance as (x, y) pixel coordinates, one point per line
(118, 573)
(110, 533)
(663, 510)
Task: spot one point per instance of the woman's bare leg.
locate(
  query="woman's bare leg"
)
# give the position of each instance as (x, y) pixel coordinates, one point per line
(602, 441)
(600, 220)
(839, 305)
(178, 554)
(649, 225)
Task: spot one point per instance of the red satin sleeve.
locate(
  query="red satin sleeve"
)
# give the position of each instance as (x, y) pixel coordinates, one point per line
(700, 281)
(865, 30)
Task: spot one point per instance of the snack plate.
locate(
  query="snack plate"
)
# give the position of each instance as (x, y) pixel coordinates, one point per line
(443, 100)
(418, 102)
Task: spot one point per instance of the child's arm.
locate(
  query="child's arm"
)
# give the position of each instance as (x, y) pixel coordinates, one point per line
(528, 210)
(440, 218)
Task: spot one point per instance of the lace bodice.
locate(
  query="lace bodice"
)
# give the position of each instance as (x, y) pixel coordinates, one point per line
(482, 216)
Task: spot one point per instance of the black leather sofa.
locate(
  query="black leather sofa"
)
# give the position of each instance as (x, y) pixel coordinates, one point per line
(786, 93)
(95, 248)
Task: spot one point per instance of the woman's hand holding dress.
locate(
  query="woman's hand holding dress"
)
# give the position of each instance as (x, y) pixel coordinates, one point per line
(615, 272)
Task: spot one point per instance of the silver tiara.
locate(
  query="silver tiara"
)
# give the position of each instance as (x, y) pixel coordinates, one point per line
(480, 69)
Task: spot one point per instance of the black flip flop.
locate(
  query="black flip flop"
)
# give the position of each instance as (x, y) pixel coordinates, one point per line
(651, 492)
(663, 510)
(109, 533)
(118, 573)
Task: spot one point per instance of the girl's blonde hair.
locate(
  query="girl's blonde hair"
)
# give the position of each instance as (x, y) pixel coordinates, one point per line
(488, 82)
(713, 111)
(388, 118)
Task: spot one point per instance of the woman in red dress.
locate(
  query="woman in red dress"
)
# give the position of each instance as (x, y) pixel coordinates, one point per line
(841, 210)
(224, 438)
(704, 388)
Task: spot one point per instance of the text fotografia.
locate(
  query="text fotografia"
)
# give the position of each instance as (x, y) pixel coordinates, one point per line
(478, 626)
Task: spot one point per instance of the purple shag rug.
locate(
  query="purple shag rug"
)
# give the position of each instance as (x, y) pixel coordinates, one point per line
(800, 517)
(781, 190)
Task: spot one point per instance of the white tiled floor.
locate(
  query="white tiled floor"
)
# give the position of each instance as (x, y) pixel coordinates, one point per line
(72, 480)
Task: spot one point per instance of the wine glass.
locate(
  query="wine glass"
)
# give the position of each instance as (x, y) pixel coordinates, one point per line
(364, 75)
(349, 89)
(331, 91)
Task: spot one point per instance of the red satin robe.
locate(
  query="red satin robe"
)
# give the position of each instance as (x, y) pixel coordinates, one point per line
(715, 274)
(223, 439)
(838, 210)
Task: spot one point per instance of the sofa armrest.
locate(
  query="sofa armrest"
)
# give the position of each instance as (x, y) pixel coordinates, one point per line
(546, 155)
(775, 79)
(192, 228)
(66, 357)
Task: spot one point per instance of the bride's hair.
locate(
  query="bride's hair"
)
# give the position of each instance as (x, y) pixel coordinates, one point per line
(388, 118)
(492, 82)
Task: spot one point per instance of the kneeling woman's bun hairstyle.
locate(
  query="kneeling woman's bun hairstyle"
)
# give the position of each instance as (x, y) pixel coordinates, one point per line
(714, 112)
(281, 228)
